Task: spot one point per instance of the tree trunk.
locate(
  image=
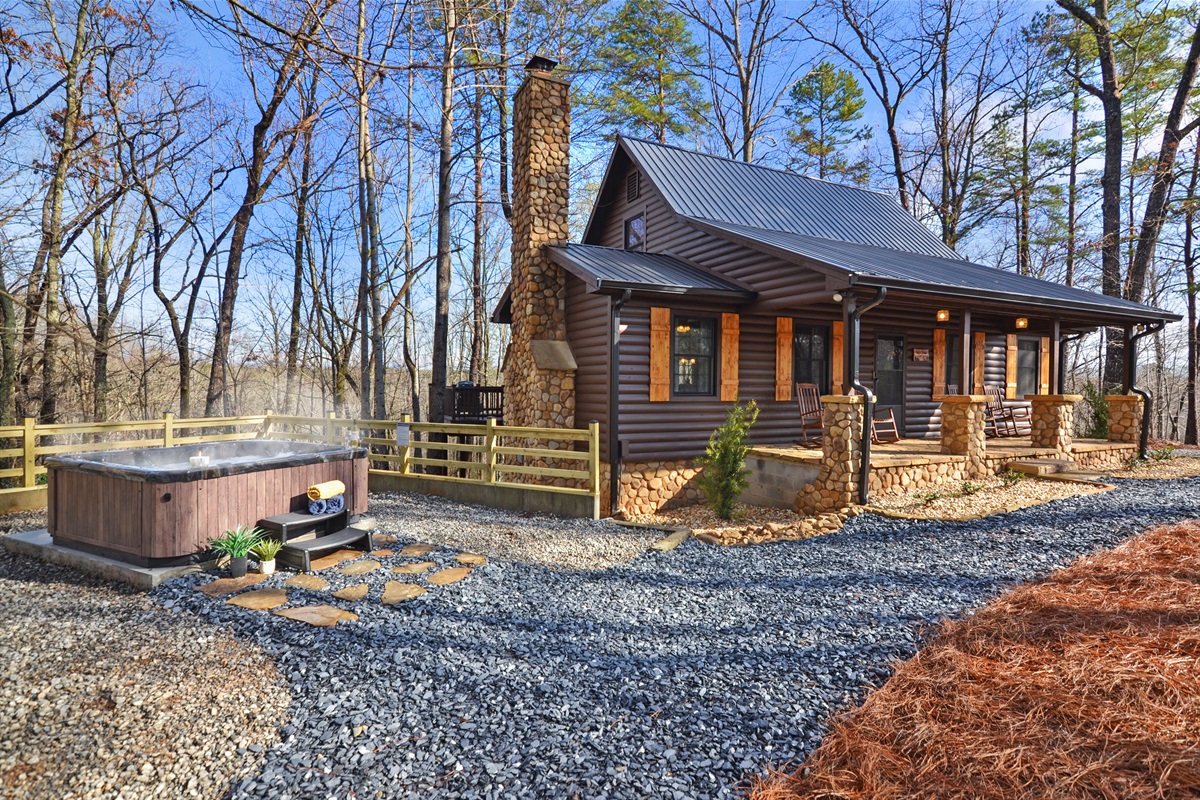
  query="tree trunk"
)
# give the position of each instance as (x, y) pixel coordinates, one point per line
(475, 367)
(1193, 331)
(291, 399)
(441, 317)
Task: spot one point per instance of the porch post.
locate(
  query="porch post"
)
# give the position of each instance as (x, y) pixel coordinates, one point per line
(1056, 382)
(849, 343)
(1053, 421)
(963, 431)
(964, 373)
(1130, 367)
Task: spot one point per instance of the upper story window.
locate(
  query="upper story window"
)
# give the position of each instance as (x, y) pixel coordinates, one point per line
(810, 355)
(693, 355)
(635, 233)
(1029, 358)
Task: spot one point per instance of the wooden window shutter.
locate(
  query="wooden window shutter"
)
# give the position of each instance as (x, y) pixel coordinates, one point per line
(729, 358)
(1010, 366)
(837, 354)
(660, 355)
(1044, 380)
(783, 358)
(939, 363)
(980, 355)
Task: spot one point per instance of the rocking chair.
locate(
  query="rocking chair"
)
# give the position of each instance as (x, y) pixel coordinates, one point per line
(812, 416)
(1001, 420)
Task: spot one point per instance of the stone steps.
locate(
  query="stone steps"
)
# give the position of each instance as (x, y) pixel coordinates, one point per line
(1040, 467)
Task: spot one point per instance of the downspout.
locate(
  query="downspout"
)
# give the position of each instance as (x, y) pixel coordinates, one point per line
(614, 399)
(864, 477)
(1131, 354)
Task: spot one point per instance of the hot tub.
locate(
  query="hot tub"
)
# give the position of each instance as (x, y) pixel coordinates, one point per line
(151, 507)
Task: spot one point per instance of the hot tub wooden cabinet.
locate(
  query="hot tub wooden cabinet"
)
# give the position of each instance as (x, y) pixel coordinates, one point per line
(150, 507)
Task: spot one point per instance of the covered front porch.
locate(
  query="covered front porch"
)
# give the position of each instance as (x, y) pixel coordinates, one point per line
(828, 477)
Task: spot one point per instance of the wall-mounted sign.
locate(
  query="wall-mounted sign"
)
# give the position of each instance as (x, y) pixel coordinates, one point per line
(920, 354)
(403, 434)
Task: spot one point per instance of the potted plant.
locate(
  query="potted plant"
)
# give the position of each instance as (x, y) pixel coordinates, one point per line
(237, 544)
(266, 550)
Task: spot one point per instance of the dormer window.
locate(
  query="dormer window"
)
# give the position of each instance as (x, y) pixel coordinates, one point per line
(635, 233)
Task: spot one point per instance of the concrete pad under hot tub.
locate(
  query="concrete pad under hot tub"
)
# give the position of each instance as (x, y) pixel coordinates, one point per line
(151, 508)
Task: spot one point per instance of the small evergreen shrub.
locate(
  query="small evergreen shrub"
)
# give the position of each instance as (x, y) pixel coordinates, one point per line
(723, 478)
(1012, 477)
(1097, 423)
(968, 488)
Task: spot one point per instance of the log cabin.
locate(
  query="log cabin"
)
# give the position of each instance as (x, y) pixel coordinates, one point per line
(700, 281)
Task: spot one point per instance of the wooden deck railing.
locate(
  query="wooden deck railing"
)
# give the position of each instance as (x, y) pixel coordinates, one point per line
(562, 460)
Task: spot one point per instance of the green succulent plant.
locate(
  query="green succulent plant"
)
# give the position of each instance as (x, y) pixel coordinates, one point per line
(267, 549)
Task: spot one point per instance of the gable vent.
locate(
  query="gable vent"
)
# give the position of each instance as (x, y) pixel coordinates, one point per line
(633, 186)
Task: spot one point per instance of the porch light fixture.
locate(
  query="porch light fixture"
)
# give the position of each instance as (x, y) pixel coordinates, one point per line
(837, 297)
(1022, 323)
(943, 315)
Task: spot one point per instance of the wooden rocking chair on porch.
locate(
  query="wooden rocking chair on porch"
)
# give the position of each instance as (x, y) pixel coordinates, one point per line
(883, 427)
(1001, 420)
(812, 416)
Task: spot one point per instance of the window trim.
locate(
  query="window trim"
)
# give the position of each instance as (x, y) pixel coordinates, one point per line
(625, 241)
(715, 357)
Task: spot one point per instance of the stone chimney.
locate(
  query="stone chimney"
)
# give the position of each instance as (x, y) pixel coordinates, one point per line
(539, 371)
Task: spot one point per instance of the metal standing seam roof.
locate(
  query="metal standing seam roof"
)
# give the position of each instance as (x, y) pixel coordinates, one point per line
(721, 189)
(923, 273)
(611, 268)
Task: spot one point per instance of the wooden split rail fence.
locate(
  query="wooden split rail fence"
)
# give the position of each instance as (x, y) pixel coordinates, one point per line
(563, 460)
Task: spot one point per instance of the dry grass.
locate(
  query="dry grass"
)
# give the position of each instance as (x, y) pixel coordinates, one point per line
(1086, 685)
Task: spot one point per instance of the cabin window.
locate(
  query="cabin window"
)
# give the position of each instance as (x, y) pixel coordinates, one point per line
(810, 355)
(1029, 356)
(954, 365)
(693, 354)
(635, 233)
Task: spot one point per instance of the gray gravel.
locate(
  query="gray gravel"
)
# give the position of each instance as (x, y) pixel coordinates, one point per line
(675, 675)
(103, 693)
(549, 541)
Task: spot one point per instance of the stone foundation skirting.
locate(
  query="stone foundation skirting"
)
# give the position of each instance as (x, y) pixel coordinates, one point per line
(648, 487)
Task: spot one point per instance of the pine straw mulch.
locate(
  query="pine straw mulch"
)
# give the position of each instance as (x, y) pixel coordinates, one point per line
(1086, 685)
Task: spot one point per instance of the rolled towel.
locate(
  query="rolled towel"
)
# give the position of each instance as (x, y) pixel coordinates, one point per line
(335, 504)
(316, 507)
(326, 490)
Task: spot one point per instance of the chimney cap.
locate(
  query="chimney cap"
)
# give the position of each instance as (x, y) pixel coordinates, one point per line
(541, 64)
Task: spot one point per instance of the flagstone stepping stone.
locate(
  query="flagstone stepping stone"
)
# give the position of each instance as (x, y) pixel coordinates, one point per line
(333, 559)
(446, 577)
(230, 585)
(471, 559)
(353, 593)
(415, 568)
(384, 538)
(260, 599)
(397, 591)
(322, 616)
(418, 549)
(306, 581)
(360, 567)
(381, 553)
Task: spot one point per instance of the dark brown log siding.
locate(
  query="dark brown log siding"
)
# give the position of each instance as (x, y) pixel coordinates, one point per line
(588, 333)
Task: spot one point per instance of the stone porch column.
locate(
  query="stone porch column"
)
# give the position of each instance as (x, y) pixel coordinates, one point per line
(837, 485)
(963, 431)
(1053, 420)
(1124, 417)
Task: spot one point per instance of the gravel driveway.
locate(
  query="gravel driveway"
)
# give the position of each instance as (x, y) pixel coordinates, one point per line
(673, 675)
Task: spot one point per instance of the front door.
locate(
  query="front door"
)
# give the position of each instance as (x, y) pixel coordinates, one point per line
(889, 375)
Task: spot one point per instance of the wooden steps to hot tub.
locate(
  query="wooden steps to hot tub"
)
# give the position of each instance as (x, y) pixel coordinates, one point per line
(333, 532)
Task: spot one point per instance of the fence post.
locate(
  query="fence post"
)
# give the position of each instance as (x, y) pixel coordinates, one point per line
(28, 474)
(267, 424)
(489, 455)
(168, 429)
(404, 451)
(594, 456)
(331, 428)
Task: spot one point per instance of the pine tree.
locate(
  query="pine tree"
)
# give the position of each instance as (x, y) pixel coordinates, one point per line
(825, 109)
(724, 476)
(648, 58)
